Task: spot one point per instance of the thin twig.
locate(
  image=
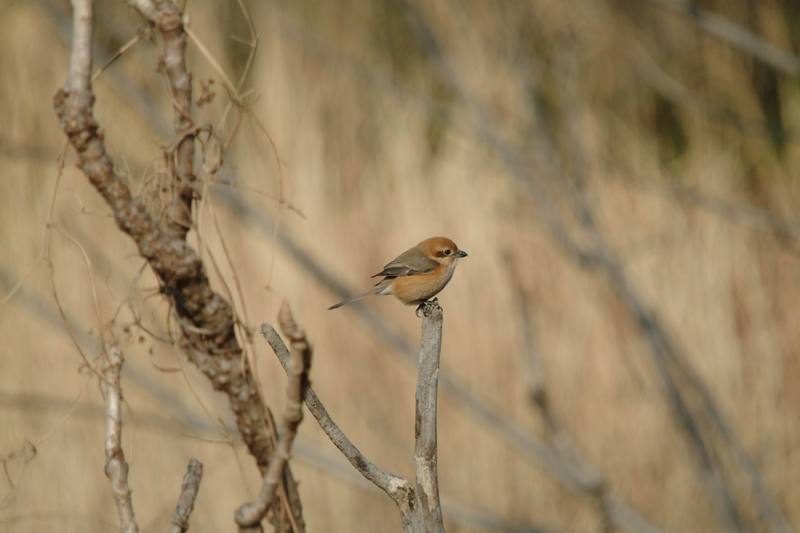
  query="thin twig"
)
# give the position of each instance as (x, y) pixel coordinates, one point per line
(251, 513)
(119, 53)
(21, 457)
(210, 58)
(116, 465)
(80, 63)
(396, 487)
(189, 489)
(169, 21)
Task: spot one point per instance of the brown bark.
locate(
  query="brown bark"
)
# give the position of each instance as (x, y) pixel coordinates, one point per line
(206, 319)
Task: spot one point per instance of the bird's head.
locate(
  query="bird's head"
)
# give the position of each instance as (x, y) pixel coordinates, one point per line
(442, 250)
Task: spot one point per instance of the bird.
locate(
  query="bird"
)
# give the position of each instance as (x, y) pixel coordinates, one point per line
(416, 275)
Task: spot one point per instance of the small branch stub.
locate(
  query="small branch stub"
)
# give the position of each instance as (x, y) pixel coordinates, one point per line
(189, 489)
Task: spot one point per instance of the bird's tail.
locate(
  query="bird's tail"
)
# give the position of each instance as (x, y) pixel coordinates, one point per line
(353, 299)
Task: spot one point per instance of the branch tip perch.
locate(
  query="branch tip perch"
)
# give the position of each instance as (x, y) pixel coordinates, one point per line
(427, 515)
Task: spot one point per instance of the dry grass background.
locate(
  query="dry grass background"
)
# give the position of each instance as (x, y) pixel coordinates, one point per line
(378, 153)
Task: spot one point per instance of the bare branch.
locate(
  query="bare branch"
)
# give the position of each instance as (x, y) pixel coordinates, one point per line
(206, 319)
(146, 7)
(736, 36)
(428, 509)
(396, 487)
(116, 466)
(80, 62)
(786, 232)
(251, 513)
(170, 23)
(189, 489)
(20, 457)
(420, 507)
(168, 18)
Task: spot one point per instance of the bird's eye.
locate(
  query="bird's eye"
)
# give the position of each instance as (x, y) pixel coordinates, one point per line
(447, 252)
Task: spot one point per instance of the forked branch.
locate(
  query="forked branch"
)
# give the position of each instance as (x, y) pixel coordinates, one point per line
(419, 505)
(396, 487)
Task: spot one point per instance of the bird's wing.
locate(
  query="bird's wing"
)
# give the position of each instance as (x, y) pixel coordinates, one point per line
(409, 263)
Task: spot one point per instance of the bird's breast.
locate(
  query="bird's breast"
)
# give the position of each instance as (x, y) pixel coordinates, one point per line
(420, 287)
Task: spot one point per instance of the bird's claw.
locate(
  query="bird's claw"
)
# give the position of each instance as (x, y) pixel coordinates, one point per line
(426, 307)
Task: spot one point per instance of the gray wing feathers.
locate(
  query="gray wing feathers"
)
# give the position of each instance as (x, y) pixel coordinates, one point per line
(410, 262)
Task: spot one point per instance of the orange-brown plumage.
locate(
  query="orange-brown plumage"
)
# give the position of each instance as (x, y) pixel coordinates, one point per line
(418, 274)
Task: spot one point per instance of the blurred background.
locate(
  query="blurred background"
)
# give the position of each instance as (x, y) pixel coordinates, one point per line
(620, 346)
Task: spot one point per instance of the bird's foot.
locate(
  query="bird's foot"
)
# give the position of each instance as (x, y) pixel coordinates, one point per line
(427, 308)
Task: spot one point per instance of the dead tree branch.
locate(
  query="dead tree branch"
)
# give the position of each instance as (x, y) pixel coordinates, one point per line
(396, 487)
(428, 511)
(167, 17)
(189, 489)
(206, 319)
(419, 506)
(250, 514)
(116, 465)
(80, 62)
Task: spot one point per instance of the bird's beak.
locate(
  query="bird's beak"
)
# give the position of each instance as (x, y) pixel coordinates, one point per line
(462, 253)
